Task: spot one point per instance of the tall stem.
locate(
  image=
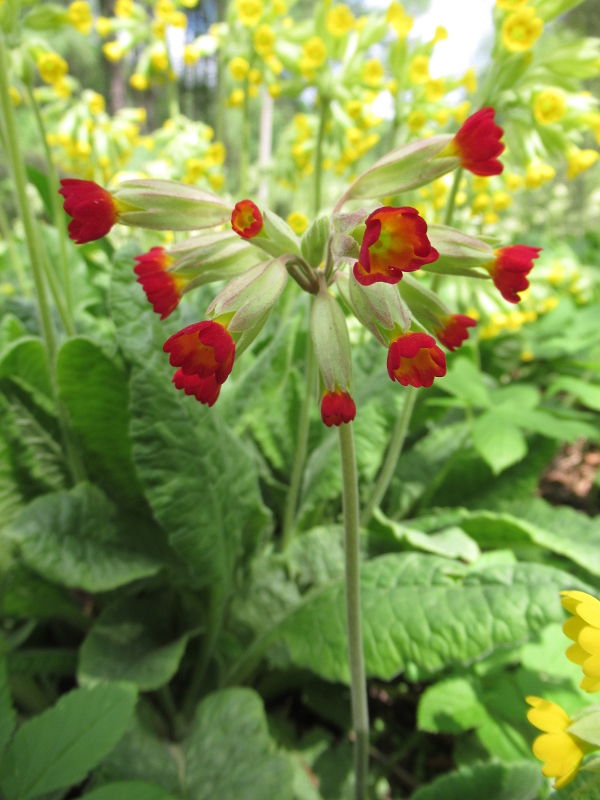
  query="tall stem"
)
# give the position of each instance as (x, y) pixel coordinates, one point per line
(15, 258)
(448, 216)
(265, 144)
(393, 454)
(245, 155)
(55, 288)
(301, 446)
(358, 683)
(173, 98)
(318, 170)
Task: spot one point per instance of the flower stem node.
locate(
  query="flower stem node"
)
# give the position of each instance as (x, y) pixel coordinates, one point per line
(414, 359)
(510, 268)
(337, 408)
(163, 288)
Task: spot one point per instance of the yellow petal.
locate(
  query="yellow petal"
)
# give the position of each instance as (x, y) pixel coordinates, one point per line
(573, 627)
(548, 717)
(589, 639)
(591, 667)
(577, 654)
(590, 685)
(560, 752)
(560, 782)
(589, 611)
(571, 600)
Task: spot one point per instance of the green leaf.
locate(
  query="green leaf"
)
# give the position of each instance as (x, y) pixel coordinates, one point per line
(465, 381)
(96, 396)
(587, 725)
(60, 746)
(489, 781)
(451, 542)
(129, 790)
(587, 393)
(7, 712)
(498, 441)
(546, 424)
(25, 595)
(11, 500)
(450, 706)
(72, 538)
(43, 661)
(229, 754)
(41, 183)
(26, 359)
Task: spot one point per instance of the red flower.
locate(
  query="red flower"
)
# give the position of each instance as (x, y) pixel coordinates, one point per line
(510, 268)
(93, 209)
(395, 241)
(478, 144)
(203, 349)
(246, 219)
(454, 332)
(163, 288)
(205, 390)
(337, 407)
(414, 359)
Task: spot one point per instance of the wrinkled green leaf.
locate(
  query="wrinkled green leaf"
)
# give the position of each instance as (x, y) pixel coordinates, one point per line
(450, 706)
(129, 790)
(489, 781)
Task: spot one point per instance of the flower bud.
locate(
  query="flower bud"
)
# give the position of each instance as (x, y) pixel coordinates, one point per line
(264, 229)
(337, 408)
(332, 343)
(459, 254)
(314, 241)
(212, 257)
(379, 307)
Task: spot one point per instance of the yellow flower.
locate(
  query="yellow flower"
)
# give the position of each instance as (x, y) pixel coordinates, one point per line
(297, 222)
(549, 106)
(501, 200)
(561, 752)
(440, 34)
(52, 67)
(15, 96)
(159, 58)
(354, 108)
(195, 168)
(215, 155)
(274, 65)
(340, 21)
(435, 89)
(461, 112)
(510, 5)
(163, 9)
(138, 82)
(249, 12)
(191, 54)
(374, 72)
(521, 30)
(461, 198)
(113, 51)
(469, 81)
(399, 20)
(481, 202)
(80, 16)
(480, 183)
(123, 9)
(159, 28)
(255, 77)
(236, 98)
(416, 120)
(580, 160)
(513, 182)
(527, 356)
(96, 103)
(490, 218)
(442, 116)
(216, 181)
(419, 69)
(584, 629)
(264, 40)
(103, 26)
(239, 68)
(315, 52)
(189, 3)
(274, 90)
(279, 7)
(178, 20)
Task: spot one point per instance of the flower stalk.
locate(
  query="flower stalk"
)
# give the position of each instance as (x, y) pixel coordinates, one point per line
(245, 153)
(324, 105)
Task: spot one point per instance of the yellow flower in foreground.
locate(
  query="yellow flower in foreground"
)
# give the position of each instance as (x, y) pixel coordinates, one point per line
(239, 68)
(80, 16)
(399, 20)
(521, 30)
(550, 106)
(15, 96)
(561, 752)
(435, 89)
(416, 120)
(123, 9)
(264, 40)
(138, 82)
(469, 81)
(537, 174)
(419, 69)
(579, 161)
(340, 21)
(113, 51)
(584, 629)
(297, 222)
(249, 12)
(52, 67)
(374, 72)
(103, 26)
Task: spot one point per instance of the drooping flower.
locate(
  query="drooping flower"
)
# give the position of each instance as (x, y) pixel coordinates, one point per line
(203, 349)
(52, 67)
(395, 241)
(510, 268)
(550, 106)
(93, 209)
(163, 288)
(246, 219)
(454, 332)
(561, 752)
(205, 390)
(337, 408)
(521, 30)
(80, 17)
(478, 144)
(414, 359)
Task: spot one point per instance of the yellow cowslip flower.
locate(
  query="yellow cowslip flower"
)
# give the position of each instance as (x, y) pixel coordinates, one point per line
(510, 5)
(103, 26)
(354, 135)
(123, 9)
(96, 103)
(79, 15)
(373, 72)
(442, 116)
(480, 183)
(215, 155)
(249, 12)
(178, 20)
(255, 77)
(195, 168)
(399, 20)
(112, 51)
(527, 356)
(264, 40)
(159, 58)
(252, 90)
(584, 629)
(189, 3)
(469, 81)
(216, 181)
(419, 69)
(239, 68)
(537, 174)
(354, 108)
(501, 200)
(280, 7)
(340, 21)
(297, 222)
(461, 112)
(580, 160)
(274, 90)
(138, 82)
(63, 88)
(163, 9)
(416, 120)
(159, 28)
(274, 64)
(480, 202)
(435, 89)
(549, 106)
(191, 54)
(460, 199)
(521, 30)
(513, 182)
(15, 96)
(314, 52)
(440, 34)
(370, 120)
(490, 218)
(561, 752)
(236, 98)
(52, 67)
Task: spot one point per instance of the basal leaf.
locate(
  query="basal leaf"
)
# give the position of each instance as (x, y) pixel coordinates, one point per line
(498, 441)
(26, 359)
(489, 781)
(7, 712)
(450, 706)
(129, 790)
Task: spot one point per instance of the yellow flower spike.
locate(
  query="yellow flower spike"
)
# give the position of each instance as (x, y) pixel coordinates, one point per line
(96, 103)
(123, 9)
(354, 108)
(159, 58)
(113, 51)
(52, 67)
(340, 21)
(103, 26)
(510, 5)
(15, 96)
(435, 89)
(264, 40)
(315, 52)
(138, 82)
(521, 30)
(373, 72)
(399, 20)
(274, 90)
(297, 222)
(216, 181)
(580, 160)
(280, 7)
(419, 69)
(416, 120)
(501, 200)
(249, 12)
(549, 106)
(513, 182)
(440, 34)
(191, 54)
(469, 81)
(79, 15)
(236, 98)
(239, 68)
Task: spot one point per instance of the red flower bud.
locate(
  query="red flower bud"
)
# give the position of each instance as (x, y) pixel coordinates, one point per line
(510, 268)
(337, 407)
(395, 241)
(414, 359)
(93, 209)
(246, 219)
(454, 332)
(478, 144)
(163, 288)
(203, 349)
(205, 390)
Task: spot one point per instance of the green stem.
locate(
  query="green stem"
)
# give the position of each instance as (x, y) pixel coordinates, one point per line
(358, 683)
(301, 446)
(245, 154)
(448, 216)
(393, 454)
(173, 98)
(319, 156)
(13, 250)
(55, 288)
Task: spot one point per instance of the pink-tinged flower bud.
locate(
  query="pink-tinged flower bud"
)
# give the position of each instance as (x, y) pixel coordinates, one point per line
(395, 241)
(163, 288)
(414, 359)
(337, 408)
(510, 268)
(478, 144)
(454, 331)
(205, 390)
(92, 208)
(204, 349)
(246, 219)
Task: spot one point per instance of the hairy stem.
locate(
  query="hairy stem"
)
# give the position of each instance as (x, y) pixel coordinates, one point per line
(448, 216)
(266, 138)
(319, 157)
(13, 251)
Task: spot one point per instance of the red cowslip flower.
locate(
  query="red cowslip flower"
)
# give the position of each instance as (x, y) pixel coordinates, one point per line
(246, 219)
(454, 331)
(510, 268)
(395, 241)
(163, 288)
(93, 209)
(203, 349)
(414, 359)
(478, 144)
(337, 407)
(205, 390)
